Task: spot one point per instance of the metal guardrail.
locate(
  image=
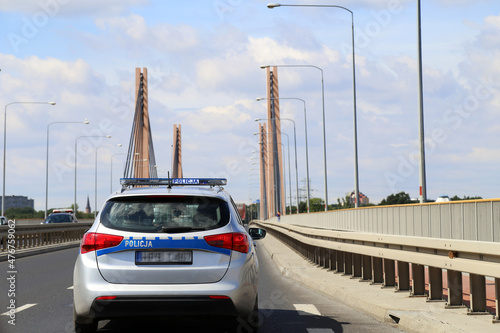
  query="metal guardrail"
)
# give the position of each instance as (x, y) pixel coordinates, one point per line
(15, 237)
(404, 262)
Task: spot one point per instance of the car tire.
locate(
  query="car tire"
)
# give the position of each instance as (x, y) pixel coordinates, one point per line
(84, 328)
(249, 323)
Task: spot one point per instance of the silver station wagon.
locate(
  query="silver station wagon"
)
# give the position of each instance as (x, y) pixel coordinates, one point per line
(166, 247)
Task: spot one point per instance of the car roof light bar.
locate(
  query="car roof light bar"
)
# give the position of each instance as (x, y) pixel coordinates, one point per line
(172, 181)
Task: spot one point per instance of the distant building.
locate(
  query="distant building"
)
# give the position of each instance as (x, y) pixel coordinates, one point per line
(88, 210)
(363, 199)
(18, 201)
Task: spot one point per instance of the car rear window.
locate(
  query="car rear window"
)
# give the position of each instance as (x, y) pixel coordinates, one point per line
(59, 218)
(165, 213)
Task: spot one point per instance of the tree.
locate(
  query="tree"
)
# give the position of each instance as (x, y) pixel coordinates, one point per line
(400, 198)
(22, 213)
(317, 205)
(457, 198)
(345, 203)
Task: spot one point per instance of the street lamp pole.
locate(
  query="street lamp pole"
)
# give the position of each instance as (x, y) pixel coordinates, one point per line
(356, 178)
(324, 126)
(86, 122)
(76, 154)
(307, 151)
(422, 178)
(5, 144)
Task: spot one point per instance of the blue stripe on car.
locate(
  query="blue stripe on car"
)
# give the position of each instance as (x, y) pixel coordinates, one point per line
(150, 243)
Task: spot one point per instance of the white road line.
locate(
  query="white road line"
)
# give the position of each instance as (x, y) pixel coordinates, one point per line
(307, 310)
(19, 309)
(70, 287)
(320, 330)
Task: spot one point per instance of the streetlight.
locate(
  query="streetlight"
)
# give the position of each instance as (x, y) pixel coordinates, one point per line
(324, 126)
(5, 144)
(76, 154)
(86, 122)
(307, 153)
(421, 139)
(356, 178)
(95, 185)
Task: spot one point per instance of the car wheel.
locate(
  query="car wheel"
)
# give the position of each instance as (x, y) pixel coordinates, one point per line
(249, 323)
(85, 328)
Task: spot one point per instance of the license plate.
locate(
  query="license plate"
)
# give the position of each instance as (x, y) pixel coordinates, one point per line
(164, 257)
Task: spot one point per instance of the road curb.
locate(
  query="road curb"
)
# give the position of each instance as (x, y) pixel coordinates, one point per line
(413, 315)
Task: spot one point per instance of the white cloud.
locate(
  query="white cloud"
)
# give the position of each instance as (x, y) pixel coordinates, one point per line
(227, 118)
(267, 50)
(133, 31)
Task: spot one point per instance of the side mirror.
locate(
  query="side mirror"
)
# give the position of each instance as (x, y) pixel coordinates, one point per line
(257, 233)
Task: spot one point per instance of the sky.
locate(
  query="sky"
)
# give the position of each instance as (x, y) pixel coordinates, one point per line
(203, 60)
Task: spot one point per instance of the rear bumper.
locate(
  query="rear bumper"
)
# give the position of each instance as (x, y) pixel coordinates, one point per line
(139, 307)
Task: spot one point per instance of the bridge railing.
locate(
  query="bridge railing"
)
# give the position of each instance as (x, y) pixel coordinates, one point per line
(29, 236)
(475, 220)
(441, 269)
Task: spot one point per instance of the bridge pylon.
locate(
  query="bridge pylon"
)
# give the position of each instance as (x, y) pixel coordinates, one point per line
(141, 161)
(275, 187)
(177, 153)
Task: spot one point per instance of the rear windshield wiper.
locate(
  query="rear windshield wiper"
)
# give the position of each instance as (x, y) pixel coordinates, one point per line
(176, 230)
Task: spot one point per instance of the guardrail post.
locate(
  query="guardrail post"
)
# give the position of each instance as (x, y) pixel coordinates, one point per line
(389, 273)
(340, 262)
(377, 271)
(477, 284)
(497, 300)
(417, 280)
(366, 270)
(333, 262)
(322, 257)
(455, 289)
(347, 263)
(356, 265)
(435, 284)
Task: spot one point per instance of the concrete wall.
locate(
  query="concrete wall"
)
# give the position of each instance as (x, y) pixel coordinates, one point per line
(476, 220)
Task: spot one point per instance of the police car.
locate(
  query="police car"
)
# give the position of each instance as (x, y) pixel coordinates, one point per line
(164, 247)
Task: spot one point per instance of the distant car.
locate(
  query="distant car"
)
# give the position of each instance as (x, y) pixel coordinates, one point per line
(3, 220)
(60, 218)
(165, 249)
(443, 198)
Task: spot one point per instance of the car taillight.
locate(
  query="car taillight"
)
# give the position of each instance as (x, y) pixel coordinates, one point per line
(105, 298)
(93, 241)
(233, 241)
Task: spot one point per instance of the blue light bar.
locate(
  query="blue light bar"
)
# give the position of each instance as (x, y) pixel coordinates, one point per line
(173, 181)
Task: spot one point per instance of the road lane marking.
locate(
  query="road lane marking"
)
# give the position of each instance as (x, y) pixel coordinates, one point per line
(70, 287)
(320, 330)
(307, 310)
(19, 309)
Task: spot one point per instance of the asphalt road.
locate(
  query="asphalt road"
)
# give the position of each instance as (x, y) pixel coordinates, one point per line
(43, 296)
